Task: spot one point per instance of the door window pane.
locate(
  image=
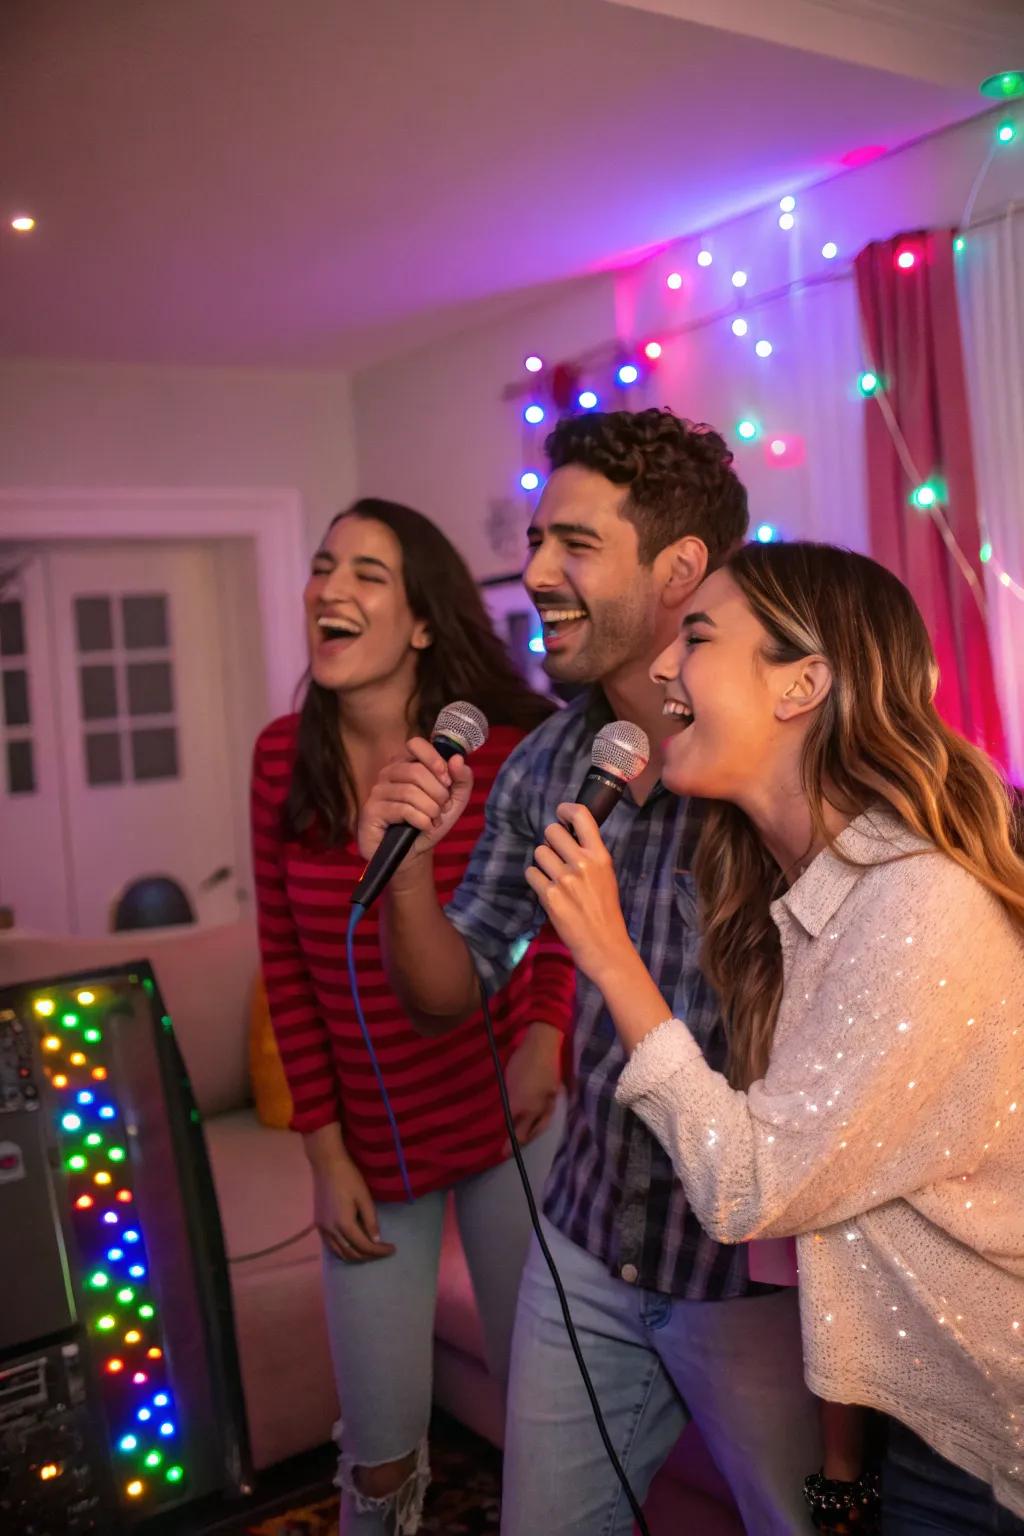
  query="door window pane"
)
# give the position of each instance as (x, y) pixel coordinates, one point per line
(93, 624)
(99, 693)
(103, 758)
(145, 621)
(149, 688)
(16, 710)
(155, 754)
(12, 629)
(21, 772)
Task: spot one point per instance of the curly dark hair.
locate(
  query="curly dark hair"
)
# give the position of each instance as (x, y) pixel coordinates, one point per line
(679, 474)
(466, 660)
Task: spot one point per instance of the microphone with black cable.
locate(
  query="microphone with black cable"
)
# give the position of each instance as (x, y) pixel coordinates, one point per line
(620, 753)
(459, 729)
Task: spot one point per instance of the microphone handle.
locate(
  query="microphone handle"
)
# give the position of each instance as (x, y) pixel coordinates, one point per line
(600, 792)
(396, 842)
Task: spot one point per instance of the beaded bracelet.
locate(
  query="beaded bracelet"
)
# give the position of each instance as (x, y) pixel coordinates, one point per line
(840, 1506)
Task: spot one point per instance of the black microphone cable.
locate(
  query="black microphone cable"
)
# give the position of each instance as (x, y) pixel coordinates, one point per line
(563, 1300)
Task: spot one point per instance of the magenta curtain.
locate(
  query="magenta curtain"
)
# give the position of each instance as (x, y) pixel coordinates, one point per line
(912, 342)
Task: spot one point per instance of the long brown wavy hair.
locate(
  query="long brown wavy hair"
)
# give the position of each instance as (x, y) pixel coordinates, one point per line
(465, 660)
(876, 738)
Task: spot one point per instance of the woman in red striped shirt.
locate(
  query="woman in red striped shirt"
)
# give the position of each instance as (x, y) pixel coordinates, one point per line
(396, 629)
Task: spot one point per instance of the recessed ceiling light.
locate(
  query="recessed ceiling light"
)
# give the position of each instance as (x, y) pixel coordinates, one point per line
(23, 222)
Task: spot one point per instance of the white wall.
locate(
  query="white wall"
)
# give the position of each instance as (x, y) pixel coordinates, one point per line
(432, 429)
(85, 426)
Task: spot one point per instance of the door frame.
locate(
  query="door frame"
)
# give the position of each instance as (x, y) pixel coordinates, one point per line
(272, 518)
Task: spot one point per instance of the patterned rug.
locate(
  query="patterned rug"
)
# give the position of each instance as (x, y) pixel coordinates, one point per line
(463, 1499)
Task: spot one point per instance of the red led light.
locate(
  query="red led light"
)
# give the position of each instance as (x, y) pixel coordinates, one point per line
(114, 1366)
(124, 1195)
(83, 1203)
(653, 350)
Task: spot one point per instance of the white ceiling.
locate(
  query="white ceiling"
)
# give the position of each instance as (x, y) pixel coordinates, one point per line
(320, 183)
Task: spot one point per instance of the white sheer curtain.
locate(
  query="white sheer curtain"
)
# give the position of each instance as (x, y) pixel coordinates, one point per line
(991, 295)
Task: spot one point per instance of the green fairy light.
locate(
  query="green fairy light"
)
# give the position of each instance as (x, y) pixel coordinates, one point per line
(175, 1474)
(147, 1311)
(106, 1322)
(70, 1021)
(94, 1139)
(126, 1294)
(93, 1036)
(116, 1154)
(985, 553)
(77, 1163)
(153, 1459)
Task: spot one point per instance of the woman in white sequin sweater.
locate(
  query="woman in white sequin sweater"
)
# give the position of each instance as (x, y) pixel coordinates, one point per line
(863, 911)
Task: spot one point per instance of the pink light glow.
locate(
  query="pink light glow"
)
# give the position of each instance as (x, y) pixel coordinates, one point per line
(863, 156)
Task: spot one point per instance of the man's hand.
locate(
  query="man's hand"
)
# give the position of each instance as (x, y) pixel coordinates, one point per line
(533, 1078)
(420, 789)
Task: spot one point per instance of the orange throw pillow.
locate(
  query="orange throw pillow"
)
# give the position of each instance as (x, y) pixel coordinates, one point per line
(269, 1085)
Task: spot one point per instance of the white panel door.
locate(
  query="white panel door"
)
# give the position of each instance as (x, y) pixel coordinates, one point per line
(139, 683)
(33, 849)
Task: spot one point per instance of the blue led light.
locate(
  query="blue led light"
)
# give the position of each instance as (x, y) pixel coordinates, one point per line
(110, 1217)
(765, 534)
(128, 1443)
(72, 1122)
(628, 373)
(131, 1236)
(107, 1112)
(136, 1271)
(86, 1096)
(144, 1415)
(167, 1429)
(161, 1400)
(587, 400)
(537, 645)
(529, 480)
(114, 1255)
(534, 414)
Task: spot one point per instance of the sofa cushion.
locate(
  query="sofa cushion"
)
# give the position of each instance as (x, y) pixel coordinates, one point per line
(263, 1189)
(205, 977)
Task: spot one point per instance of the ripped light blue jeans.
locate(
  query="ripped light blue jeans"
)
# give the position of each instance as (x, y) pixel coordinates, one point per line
(380, 1319)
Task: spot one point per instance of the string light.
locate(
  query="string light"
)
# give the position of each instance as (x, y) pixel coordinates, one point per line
(1006, 132)
(82, 1121)
(739, 279)
(868, 383)
(740, 326)
(704, 257)
(763, 348)
(1005, 86)
(906, 259)
(748, 430)
(534, 414)
(674, 281)
(777, 447)
(653, 350)
(830, 250)
(765, 534)
(533, 364)
(587, 400)
(924, 496)
(787, 204)
(786, 221)
(628, 373)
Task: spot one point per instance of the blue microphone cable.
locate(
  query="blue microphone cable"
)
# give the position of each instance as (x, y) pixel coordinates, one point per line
(358, 912)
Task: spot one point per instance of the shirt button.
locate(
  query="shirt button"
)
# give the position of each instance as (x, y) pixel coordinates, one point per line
(630, 1274)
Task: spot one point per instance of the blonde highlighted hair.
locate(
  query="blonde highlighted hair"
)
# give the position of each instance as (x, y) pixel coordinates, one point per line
(876, 738)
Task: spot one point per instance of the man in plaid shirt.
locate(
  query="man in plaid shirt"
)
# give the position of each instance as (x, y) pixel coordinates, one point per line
(636, 507)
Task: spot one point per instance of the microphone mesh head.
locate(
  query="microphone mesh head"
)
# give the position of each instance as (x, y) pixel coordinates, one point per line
(621, 748)
(464, 723)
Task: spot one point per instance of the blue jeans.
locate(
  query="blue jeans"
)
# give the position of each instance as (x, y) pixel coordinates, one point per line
(735, 1367)
(380, 1321)
(925, 1495)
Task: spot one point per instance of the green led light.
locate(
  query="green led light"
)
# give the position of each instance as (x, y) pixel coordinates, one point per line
(116, 1154)
(868, 383)
(153, 1459)
(147, 985)
(1006, 132)
(126, 1294)
(93, 1036)
(77, 1163)
(985, 553)
(147, 1311)
(748, 430)
(106, 1322)
(175, 1474)
(70, 1021)
(98, 1280)
(924, 496)
(94, 1139)
(1005, 86)
(959, 244)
